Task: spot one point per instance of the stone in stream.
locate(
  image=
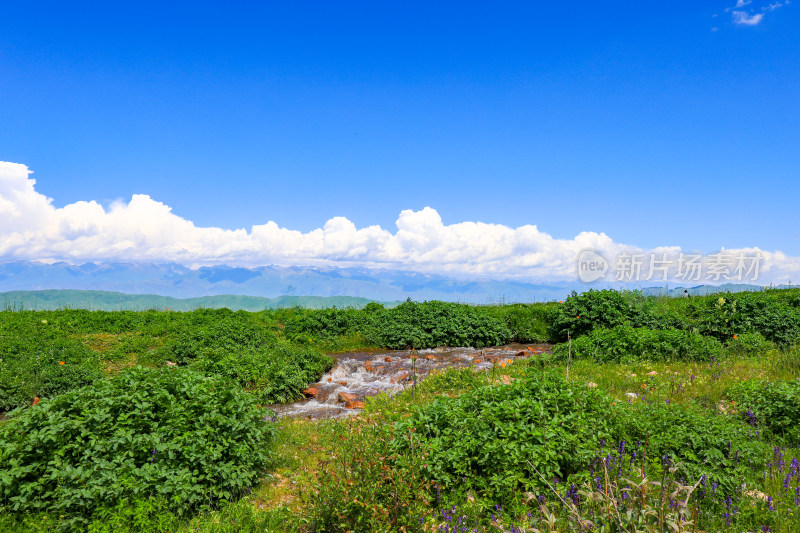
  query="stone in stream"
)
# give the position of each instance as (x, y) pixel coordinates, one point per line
(347, 397)
(311, 392)
(399, 378)
(354, 404)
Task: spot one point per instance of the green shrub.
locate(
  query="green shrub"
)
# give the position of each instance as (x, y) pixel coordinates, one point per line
(277, 374)
(409, 325)
(38, 360)
(239, 347)
(625, 343)
(327, 324)
(173, 433)
(528, 323)
(720, 447)
(488, 439)
(749, 344)
(211, 331)
(584, 312)
(773, 406)
(432, 324)
(773, 314)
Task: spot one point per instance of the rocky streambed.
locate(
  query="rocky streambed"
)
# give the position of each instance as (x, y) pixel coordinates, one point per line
(358, 375)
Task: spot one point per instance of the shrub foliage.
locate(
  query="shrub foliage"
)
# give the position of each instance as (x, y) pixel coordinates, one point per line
(173, 433)
(624, 343)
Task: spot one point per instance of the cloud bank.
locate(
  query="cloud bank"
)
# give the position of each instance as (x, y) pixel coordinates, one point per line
(143, 229)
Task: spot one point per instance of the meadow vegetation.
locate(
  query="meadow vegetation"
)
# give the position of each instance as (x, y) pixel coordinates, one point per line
(650, 414)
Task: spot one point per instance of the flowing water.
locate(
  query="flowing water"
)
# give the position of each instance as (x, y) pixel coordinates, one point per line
(357, 375)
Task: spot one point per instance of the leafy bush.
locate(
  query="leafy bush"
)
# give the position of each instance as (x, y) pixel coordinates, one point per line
(490, 438)
(774, 406)
(190, 439)
(773, 314)
(581, 313)
(276, 374)
(38, 360)
(432, 324)
(327, 324)
(237, 346)
(218, 330)
(528, 323)
(750, 344)
(717, 446)
(409, 325)
(625, 343)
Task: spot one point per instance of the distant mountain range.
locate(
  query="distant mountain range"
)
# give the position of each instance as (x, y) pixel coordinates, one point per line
(179, 281)
(150, 285)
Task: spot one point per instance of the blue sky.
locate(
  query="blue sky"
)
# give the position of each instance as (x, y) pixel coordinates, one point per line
(657, 124)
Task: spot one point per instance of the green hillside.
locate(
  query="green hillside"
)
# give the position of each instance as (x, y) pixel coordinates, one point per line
(48, 300)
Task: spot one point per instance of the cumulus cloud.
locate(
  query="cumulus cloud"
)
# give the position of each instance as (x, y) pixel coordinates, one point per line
(145, 229)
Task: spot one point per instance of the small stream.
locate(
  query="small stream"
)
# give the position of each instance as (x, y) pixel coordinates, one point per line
(357, 375)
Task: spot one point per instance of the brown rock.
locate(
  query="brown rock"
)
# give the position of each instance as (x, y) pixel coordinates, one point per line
(354, 404)
(521, 354)
(342, 383)
(387, 359)
(399, 377)
(368, 366)
(311, 392)
(347, 397)
(477, 361)
(430, 357)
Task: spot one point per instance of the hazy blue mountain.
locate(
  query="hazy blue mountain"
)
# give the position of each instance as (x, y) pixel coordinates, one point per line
(178, 281)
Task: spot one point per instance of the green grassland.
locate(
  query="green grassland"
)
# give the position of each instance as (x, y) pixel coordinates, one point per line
(650, 414)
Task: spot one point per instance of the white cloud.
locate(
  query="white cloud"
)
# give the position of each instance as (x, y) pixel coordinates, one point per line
(746, 19)
(775, 5)
(144, 229)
